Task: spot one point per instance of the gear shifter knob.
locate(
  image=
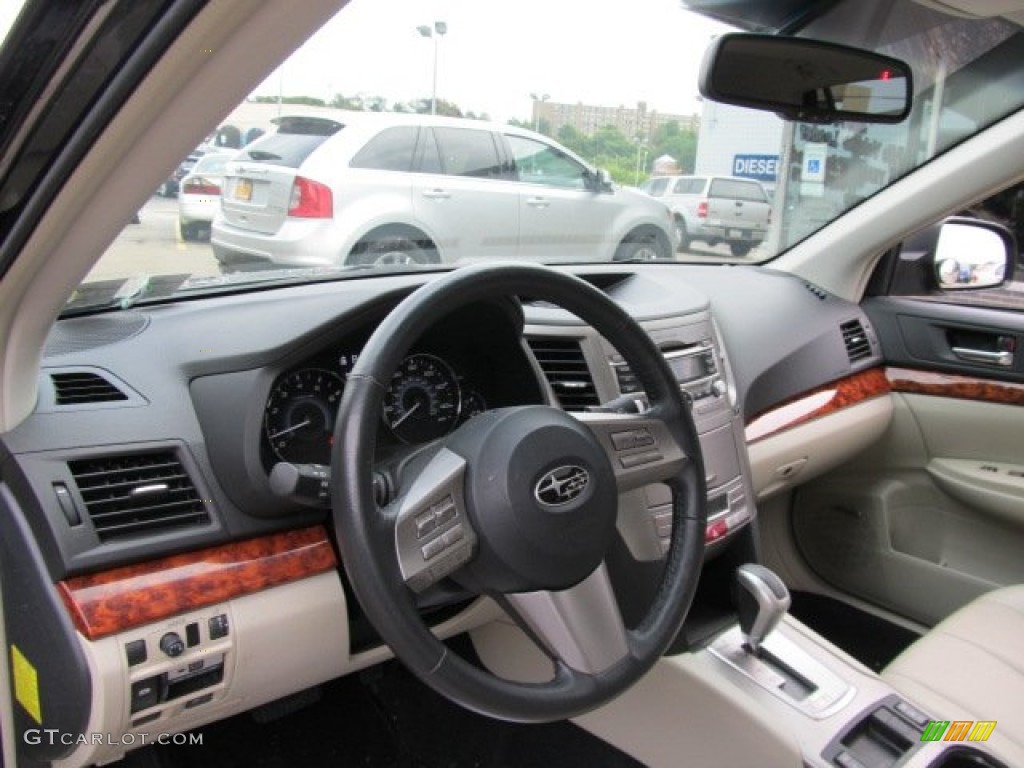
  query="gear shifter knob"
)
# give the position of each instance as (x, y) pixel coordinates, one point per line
(761, 601)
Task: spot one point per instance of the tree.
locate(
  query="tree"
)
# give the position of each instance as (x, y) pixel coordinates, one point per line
(610, 142)
(309, 101)
(572, 138)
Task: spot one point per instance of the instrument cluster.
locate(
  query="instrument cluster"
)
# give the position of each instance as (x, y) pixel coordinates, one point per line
(427, 398)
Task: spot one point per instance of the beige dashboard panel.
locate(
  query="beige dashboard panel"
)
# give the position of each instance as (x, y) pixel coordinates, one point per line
(795, 455)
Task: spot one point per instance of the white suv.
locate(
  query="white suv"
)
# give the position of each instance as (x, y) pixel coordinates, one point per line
(396, 188)
(715, 209)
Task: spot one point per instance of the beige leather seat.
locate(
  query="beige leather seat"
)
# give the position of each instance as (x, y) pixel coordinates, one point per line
(971, 667)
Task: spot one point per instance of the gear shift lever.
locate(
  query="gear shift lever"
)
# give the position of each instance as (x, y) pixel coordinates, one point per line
(761, 601)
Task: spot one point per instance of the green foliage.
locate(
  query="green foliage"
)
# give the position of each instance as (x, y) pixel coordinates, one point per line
(610, 149)
(309, 101)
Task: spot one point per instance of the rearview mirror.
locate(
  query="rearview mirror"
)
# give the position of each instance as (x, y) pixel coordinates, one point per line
(806, 80)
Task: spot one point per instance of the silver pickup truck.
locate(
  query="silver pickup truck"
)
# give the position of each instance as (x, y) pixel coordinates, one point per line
(715, 209)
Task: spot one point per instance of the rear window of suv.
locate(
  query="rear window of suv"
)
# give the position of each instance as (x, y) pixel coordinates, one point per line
(281, 149)
(295, 140)
(737, 190)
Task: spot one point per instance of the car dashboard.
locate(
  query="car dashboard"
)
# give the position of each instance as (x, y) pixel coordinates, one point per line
(186, 571)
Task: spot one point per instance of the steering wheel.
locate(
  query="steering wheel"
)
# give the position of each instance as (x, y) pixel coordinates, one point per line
(519, 504)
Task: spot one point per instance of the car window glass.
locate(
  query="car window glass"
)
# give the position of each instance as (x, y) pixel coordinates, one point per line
(538, 163)
(655, 187)
(634, 115)
(287, 149)
(211, 163)
(390, 150)
(468, 152)
(428, 155)
(737, 190)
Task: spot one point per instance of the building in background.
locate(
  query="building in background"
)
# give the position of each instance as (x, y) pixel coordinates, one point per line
(734, 141)
(639, 122)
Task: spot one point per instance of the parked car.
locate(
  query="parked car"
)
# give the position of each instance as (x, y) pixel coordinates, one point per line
(659, 513)
(715, 209)
(387, 188)
(170, 186)
(199, 195)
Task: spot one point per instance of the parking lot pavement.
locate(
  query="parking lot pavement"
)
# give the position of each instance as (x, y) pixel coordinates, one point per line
(154, 246)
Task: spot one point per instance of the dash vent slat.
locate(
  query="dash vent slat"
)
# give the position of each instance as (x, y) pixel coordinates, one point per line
(566, 370)
(137, 494)
(82, 387)
(858, 346)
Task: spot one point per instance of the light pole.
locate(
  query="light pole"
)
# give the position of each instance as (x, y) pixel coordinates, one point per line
(538, 100)
(435, 32)
(641, 147)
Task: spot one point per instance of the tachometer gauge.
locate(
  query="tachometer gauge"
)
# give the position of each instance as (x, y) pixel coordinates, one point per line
(473, 404)
(300, 415)
(423, 401)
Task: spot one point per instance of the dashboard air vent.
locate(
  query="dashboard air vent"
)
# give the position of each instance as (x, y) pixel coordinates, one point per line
(137, 494)
(858, 346)
(566, 371)
(84, 387)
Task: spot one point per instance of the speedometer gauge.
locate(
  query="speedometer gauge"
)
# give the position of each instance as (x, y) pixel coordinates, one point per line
(300, 415)
(423, 400)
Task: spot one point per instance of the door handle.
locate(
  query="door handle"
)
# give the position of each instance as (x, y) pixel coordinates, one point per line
(1004, 358)
(538, 202)
(437, 194)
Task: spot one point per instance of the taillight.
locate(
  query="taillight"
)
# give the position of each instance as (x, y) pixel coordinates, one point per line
(310, 200)
(197, 185)
(702, 209)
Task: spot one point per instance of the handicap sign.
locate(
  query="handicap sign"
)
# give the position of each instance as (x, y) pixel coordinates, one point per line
(815, 156)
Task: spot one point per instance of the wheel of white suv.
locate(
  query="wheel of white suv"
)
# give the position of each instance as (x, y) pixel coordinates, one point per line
(681, 234)
(642, 246)
(392, 249)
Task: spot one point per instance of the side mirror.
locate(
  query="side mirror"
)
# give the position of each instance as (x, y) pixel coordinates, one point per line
(806, 80)
(972, 254)
(599, 180)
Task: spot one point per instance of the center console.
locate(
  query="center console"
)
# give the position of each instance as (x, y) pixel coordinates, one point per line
(698, 359)
(694, 352)
(790, 700)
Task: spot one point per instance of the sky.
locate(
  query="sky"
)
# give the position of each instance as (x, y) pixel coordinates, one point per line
(495, 54)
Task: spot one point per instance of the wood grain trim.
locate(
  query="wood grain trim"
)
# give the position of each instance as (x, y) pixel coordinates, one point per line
(959, 387)
(819, 402)
(113, 601)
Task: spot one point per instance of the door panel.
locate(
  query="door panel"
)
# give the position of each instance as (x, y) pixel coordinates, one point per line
(886, 529)
(462, 196)
(560, 216)
(933, 515)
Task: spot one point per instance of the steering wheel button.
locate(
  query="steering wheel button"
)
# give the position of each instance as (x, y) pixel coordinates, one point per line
(638, 459)
(643, 438)
(445, 510)
(425, 523)
(454, 535)
(624, 441)
(433, 548)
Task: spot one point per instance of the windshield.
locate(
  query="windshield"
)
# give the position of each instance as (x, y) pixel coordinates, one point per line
(406, 136)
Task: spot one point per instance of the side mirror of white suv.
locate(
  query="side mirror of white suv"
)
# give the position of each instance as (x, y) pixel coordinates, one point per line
(599, 180)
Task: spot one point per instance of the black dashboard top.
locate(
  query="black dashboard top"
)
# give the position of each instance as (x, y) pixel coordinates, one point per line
(231, 384)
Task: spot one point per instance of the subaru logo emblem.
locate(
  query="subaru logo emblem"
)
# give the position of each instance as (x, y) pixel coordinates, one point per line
(561, 485)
